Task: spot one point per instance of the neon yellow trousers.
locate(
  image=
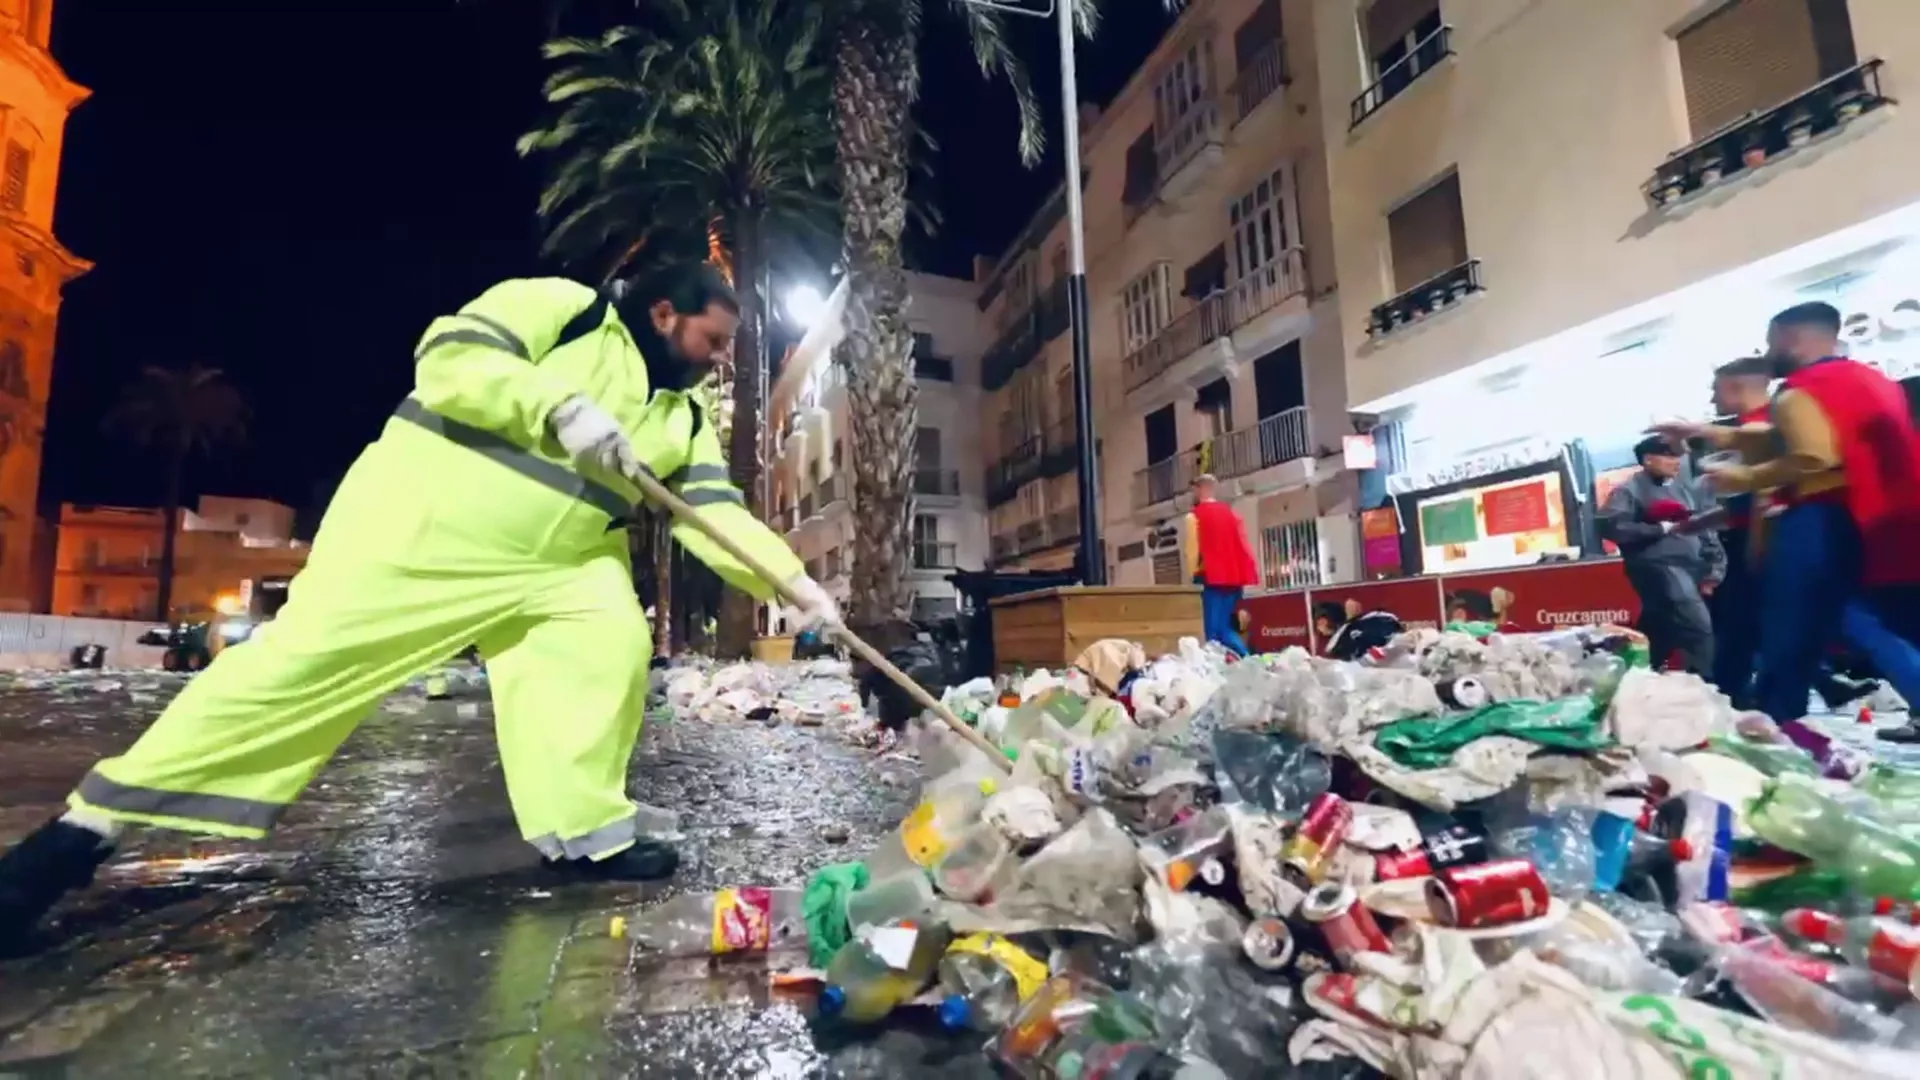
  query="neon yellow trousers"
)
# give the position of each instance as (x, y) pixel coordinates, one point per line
(402, 577)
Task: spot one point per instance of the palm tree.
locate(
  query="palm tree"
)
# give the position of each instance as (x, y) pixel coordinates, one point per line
(714, 113)
(178, 413)
(876, 82)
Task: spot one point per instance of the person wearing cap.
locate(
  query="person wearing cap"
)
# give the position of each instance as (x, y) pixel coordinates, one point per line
(491, 511)
(1673, 571)
(1220, 561)
(1839, 454)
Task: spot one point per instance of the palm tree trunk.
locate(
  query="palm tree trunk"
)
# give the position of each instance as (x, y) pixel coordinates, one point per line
(743, 449)
(874, 87)
(661, 550)
(170, 523)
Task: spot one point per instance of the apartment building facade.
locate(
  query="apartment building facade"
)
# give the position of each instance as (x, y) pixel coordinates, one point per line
(36, 97)
(1216, 342)
(1552, 219)
(812, 484)
(107, 559)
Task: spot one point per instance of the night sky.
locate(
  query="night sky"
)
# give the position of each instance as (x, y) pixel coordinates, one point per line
(290, 195)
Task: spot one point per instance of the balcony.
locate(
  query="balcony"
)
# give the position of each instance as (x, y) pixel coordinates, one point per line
(937, 483)
(1062, 453)
(1188, 148)
(1730, 156)
(1029, 536)
(1424, 57)
(1002, 548)
(1264, 73)
(935, 556)
(135, 565)
(833, 493)
(1438, 293)
(806, 506)
(1246, 319)
(1165, 479)
(1007, 475)
(1016, 347)
(1063, 526)
(1276, 440)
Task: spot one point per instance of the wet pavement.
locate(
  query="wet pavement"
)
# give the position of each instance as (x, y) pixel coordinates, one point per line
(396, 926)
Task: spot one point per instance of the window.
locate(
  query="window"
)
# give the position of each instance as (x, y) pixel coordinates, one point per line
(926, 448)
(922, 343)
(1145, 306)
(1278, 381)
(1214, 403)
(1751, 55)
(1130, 552)
(1182, 97)
(1059, 264)
(1428, 234)
(926, 530)
(13, 185)
(90, 553)
(1208, 275)
(1258, 34)
(1393, 29)
(89, 598)
(1263, 223)
(1163, 440)
(1017, 294)
(13, 369)
(1143, 171)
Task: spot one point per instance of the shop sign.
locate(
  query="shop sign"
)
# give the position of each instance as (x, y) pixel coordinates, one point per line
(1519, 456)
(1552, 597)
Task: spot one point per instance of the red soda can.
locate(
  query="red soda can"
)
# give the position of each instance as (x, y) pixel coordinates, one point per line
(1455, 845)
(1491, 894)
(1348, 925)
(1321, 832)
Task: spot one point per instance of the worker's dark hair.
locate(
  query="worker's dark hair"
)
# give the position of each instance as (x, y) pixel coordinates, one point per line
(689, 287)
(1814, 314)
(1747, 367)
(1331, 610)
(1654, 444)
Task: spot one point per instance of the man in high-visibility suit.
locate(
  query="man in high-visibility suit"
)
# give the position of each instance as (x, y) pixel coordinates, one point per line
(487, 513)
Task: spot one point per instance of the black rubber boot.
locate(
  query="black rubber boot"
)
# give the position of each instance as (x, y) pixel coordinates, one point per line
(1908, 733)
(1838, 690)
(54, 860)
(646, 860)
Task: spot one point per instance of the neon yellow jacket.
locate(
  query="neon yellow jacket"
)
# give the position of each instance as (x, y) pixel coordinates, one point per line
(524, 346)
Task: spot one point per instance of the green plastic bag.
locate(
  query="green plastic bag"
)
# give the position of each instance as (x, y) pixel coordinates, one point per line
(824, 908)
(1429, 742)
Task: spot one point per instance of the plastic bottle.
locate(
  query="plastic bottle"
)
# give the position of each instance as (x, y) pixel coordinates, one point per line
(1560, 846)
(1883, 945)
(979, 865)
(1704, 846)
(985, 978)
(1063, 1003)
(948, 808)
(1781, 997)
(727, 921)
(880, 970)
(1875, 859)
(1598, 676)
(904, 897)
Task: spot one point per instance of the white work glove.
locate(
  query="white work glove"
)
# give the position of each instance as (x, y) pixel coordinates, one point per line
(814, 609)
(591, 437)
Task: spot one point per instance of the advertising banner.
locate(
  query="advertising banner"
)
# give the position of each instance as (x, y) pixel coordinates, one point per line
(1511, 510)
(1455, 521)
(1551, 597)
(1415, 600)
(1275, 621)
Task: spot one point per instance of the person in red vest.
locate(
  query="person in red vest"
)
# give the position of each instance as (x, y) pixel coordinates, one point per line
(1841, 458)
(1221, 562)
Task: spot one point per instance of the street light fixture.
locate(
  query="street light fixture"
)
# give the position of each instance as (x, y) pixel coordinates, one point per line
(1093, 564)
(804, 305)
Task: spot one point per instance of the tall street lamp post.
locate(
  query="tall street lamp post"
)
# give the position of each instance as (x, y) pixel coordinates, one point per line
(1093, 566)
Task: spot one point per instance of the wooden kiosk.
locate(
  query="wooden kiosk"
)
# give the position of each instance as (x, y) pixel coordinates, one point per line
(1050, 627)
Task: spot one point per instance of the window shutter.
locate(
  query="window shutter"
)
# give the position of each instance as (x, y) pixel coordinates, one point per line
(1143, 170)
(1748, 56)
(1428, 234)
(13, 189)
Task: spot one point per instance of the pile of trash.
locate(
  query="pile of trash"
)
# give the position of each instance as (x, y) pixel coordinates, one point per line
(1483, 857)
(807, 693)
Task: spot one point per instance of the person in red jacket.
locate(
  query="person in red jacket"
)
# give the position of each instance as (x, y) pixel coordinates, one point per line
(1841, 455)
(1221, 562)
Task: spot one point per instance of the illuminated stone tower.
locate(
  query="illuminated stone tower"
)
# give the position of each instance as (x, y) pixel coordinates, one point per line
(35, 98)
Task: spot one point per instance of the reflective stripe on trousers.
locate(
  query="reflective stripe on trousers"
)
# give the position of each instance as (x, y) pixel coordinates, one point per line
(107, 794)
(528, 464)
(606, 840)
